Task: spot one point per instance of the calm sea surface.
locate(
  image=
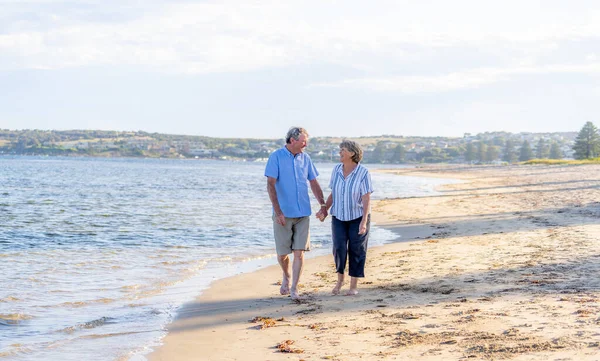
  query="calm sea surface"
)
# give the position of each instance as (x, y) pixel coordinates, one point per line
(97, 254)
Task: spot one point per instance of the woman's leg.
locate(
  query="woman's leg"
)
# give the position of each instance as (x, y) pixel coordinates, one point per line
(357, 253)
(339, 233)
(339, 284)
(353, 287)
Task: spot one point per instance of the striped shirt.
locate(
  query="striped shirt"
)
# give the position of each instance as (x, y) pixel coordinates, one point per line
(347, 192)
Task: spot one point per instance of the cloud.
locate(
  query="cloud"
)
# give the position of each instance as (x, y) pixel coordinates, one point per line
(456, 81)
(234, 36)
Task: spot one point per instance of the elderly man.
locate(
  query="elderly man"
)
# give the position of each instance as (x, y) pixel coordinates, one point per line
(289, 171)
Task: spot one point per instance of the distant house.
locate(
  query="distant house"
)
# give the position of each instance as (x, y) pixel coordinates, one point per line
(238, 151)
(75, 144)
(140, 143)
(202, 152)
(103, 145)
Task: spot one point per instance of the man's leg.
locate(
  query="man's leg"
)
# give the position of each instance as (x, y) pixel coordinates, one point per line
(284, 262)
(300, 243)
(297, 267)
(283, 244)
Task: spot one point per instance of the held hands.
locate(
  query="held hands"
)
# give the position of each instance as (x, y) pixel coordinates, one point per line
(321, 214)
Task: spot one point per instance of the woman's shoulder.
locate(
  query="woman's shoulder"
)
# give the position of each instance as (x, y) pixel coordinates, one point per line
(362, 168)
(363, 172)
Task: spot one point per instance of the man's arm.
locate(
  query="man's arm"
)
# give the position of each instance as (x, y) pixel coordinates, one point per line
(322, 214)
(279, 217)
(318, 193)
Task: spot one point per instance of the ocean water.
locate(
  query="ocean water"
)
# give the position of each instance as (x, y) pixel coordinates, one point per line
(96, 255)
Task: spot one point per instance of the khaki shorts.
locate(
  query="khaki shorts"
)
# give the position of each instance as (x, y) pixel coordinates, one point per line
(294, 236)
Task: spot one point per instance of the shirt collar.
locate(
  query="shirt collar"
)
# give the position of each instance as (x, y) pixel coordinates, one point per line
(341, 169)
(287, 151)
(290, 154)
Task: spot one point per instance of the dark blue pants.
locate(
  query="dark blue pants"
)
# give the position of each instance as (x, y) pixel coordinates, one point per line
(348, 244)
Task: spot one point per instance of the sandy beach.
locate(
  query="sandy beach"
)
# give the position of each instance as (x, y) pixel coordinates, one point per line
(504, 265)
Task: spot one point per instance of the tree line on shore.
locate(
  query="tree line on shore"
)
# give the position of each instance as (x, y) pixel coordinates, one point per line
(587, 143)
(482, 148)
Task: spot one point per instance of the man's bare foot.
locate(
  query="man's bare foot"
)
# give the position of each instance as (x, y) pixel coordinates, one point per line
(285, 286)
(352, 292)
(295, 295)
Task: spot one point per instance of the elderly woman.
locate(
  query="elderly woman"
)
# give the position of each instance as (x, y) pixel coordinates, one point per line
(349, 200)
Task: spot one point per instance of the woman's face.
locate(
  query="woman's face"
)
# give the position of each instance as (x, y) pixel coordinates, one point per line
(345, 155)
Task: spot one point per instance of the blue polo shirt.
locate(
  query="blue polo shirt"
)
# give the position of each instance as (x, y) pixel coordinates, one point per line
(292, 174)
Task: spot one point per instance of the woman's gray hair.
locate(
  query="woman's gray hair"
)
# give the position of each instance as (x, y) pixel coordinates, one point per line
(353, 147)
(294, 132)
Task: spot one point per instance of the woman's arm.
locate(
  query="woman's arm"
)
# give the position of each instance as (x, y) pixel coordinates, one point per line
(366, 201)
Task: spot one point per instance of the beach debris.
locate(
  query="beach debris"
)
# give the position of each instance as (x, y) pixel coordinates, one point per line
(407, 338)
(584, 313)
(406, 316)
(443, 289)
(393, 287)
(502, 350)
(323, 275)
(449, 342)
(466, 319)
(285, 346)
(466, 312)
(265, 322)
(315, 309)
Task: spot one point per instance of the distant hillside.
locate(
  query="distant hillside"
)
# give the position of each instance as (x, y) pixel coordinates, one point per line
(483, 147)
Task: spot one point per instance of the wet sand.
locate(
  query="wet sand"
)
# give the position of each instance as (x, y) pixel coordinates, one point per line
(505, 265)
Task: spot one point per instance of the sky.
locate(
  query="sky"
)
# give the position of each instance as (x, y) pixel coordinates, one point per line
(252, 68)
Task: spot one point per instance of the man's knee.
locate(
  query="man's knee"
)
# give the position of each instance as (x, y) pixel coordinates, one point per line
(298, 253)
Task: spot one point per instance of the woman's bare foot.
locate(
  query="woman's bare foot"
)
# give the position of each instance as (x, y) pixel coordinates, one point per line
(336, 289)
(352, 292)
(285, 286)
(338, 285)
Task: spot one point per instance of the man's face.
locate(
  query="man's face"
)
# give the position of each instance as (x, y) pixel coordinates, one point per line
(298, 145)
